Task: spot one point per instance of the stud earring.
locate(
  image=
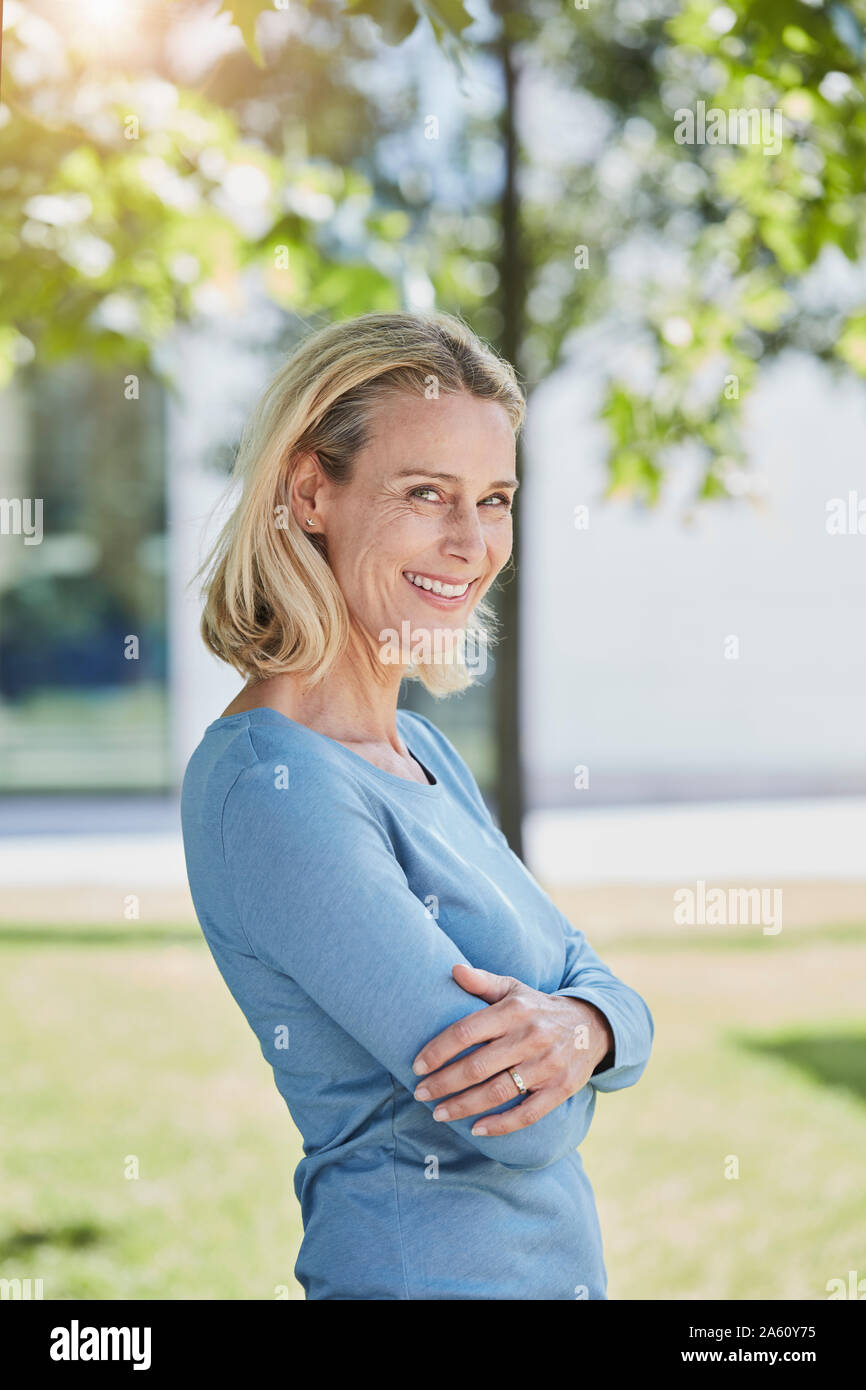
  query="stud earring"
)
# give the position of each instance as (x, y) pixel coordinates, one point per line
(310, 521)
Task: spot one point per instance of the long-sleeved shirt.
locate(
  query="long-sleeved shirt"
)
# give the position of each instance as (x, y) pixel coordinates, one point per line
(335, 898)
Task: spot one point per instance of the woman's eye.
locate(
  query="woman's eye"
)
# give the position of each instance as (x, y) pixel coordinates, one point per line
(501, 497)
(502, 500)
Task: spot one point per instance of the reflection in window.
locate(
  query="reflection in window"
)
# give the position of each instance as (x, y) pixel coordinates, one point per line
(83, 648)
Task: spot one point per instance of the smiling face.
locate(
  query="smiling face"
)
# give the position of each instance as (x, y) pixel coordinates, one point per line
(424, 527)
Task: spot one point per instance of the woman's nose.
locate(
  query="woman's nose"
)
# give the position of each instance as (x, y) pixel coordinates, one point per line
(464, 535)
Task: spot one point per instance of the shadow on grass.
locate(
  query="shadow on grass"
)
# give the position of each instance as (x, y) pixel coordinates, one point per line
(73, 1236)
(108, 935)
(830, 1059)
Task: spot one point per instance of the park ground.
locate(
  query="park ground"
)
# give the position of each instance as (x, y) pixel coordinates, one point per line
(125, 1053)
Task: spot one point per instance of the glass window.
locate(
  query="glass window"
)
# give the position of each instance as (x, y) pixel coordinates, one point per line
(83, 631)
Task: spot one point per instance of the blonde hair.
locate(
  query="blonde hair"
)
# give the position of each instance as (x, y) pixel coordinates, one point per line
(272, 604)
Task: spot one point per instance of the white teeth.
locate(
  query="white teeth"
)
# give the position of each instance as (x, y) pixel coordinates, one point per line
(444, 590)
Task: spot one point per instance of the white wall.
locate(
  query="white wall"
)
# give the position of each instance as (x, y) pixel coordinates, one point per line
(624, 623)
(219, 380)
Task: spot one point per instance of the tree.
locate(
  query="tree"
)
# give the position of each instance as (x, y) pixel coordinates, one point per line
(750, 207)
(126, 196)
(730, 148)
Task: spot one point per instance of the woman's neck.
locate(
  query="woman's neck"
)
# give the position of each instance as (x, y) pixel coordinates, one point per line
(353, 704)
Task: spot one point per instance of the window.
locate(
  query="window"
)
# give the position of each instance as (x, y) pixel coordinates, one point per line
(83, 644)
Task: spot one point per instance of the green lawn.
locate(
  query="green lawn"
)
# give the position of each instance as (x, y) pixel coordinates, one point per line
(122, 1045)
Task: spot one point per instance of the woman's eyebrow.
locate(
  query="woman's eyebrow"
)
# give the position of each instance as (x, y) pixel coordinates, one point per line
(448, 477)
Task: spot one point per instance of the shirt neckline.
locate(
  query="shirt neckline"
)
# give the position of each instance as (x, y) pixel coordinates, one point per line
(431, 788)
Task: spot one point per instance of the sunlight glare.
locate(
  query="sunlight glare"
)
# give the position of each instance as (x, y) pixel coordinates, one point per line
(109, 12)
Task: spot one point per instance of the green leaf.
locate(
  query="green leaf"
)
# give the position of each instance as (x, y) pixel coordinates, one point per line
(451, 14)
(619, 413)
(395, 18)
(244, 14)
(712, 487)
(798, 40)
(764, 304)
(851, 346)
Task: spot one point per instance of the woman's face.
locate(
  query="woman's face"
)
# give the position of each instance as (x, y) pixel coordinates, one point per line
(429, 505)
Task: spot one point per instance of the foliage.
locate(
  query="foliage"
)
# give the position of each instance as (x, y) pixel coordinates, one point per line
(396, 19)
(701, 260)
(127, 205)
(762, 238)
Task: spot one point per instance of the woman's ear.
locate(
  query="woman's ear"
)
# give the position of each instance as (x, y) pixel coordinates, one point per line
(306, 479)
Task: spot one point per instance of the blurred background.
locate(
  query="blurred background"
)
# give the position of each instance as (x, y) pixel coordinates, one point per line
(186, 189)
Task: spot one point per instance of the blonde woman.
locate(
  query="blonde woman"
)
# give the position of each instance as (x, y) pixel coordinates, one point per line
(438, 1029)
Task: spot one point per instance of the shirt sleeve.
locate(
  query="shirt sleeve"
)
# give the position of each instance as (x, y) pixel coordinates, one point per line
(585, 975)
(322, 898)
(631, 1023)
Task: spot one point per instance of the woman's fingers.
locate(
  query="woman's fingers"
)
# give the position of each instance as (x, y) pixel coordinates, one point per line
(536, 1105)
(473, 1028)
(497, 1091)
(524, 1029)
(478, 1099)
(546, 1092)
(472, 1071)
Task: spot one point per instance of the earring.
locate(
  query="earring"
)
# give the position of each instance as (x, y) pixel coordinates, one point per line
(310, 521)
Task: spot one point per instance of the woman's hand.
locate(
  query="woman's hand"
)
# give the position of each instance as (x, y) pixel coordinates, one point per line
(554, 1044)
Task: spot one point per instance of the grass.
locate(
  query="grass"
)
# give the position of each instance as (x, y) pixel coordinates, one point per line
(131, 1056)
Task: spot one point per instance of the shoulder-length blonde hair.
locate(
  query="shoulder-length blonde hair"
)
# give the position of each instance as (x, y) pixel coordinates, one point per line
(271, 602)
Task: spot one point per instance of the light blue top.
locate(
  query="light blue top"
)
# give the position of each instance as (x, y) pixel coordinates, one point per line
(335, 898)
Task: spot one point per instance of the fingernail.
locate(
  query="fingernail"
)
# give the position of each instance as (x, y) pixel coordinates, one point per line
(441, 1112)
(419, 1068)
(479, 1129)
(422, 1093)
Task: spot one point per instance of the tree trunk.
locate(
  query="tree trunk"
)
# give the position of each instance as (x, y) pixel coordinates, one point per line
(512, 293)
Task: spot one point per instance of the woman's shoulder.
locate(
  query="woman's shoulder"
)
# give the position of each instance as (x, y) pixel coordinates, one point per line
(425, 736)
(247, 754)
(254, 784)
(412, 719)
(242, 757)
(445, 759)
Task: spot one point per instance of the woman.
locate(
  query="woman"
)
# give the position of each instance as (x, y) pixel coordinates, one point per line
(437, 1027)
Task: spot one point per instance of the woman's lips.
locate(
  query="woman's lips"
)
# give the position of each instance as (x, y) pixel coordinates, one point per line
(439, 600)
